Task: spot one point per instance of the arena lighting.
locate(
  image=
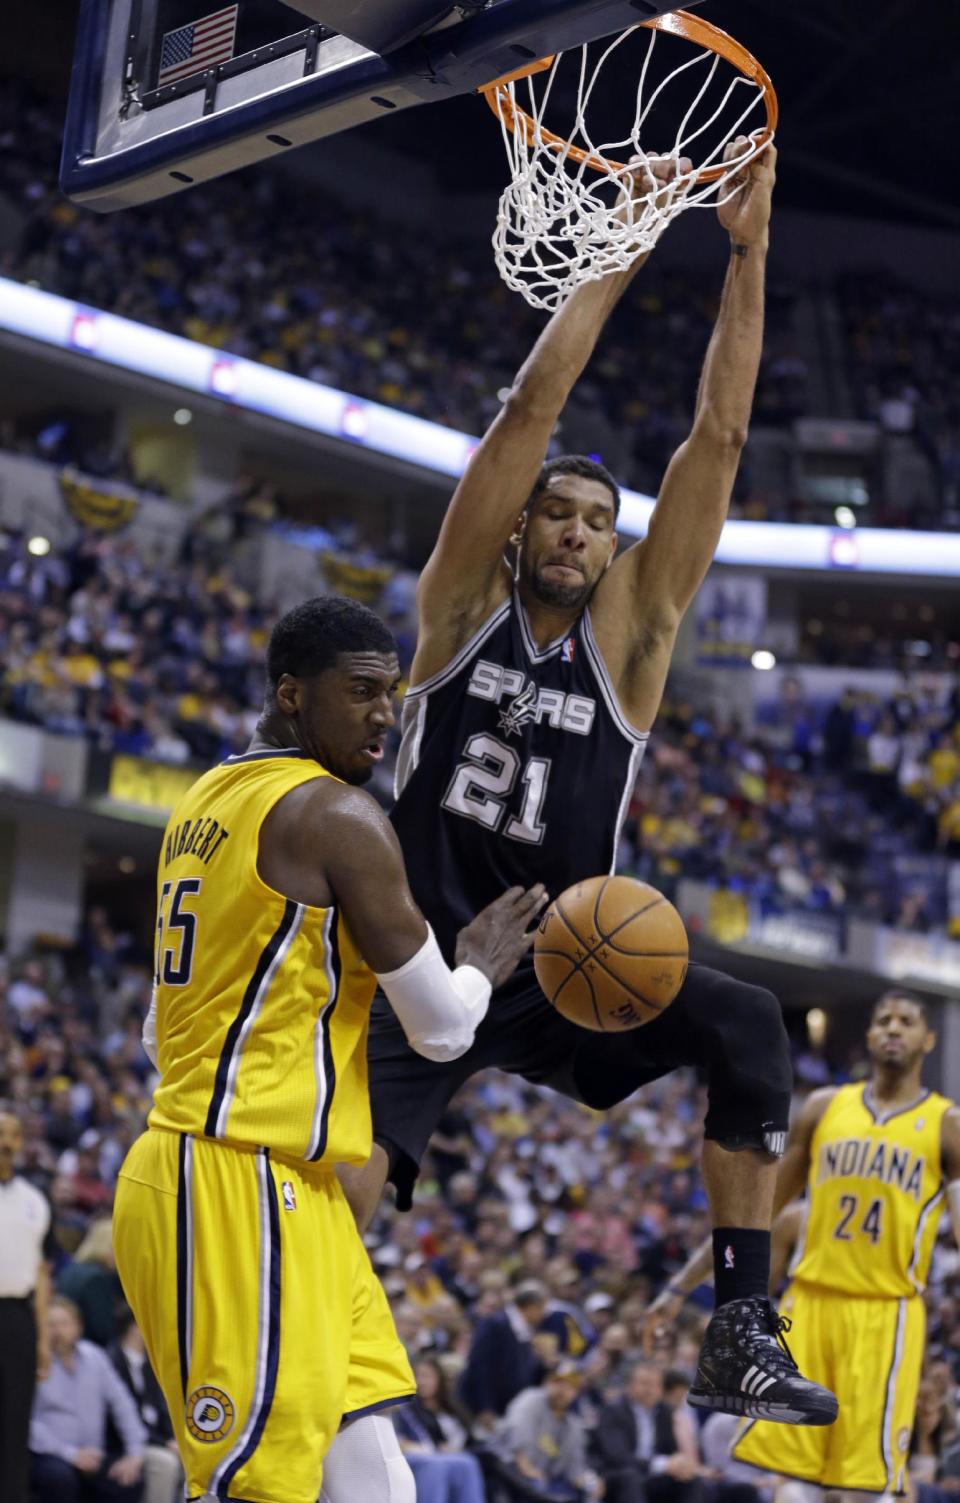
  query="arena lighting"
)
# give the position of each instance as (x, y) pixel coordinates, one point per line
(182, 417)
(816, 1026)
(39, 547)
(763, 660)
(845, 517)
(47, 319)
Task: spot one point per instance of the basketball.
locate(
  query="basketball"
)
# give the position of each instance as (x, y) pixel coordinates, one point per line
(611, 953)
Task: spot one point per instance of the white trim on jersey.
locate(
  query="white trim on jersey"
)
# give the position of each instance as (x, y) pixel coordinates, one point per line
(605, 684)
(934, 1201)
(633, 767)
(881, 1119)
(223, 1115)
(188, 1238)
(534, 653)
(263, 1323)
(443, 675)
(411, 739)
(319, 1037)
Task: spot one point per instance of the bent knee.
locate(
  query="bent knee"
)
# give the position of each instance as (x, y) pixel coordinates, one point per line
(752, 1018)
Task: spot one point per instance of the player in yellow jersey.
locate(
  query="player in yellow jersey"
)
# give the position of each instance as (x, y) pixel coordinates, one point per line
(282, 899)
(880, 1162)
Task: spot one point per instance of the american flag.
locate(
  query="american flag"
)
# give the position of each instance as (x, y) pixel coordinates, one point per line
(198, 45)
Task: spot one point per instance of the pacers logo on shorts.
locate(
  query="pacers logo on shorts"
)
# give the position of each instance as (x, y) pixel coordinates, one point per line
(210, 1414)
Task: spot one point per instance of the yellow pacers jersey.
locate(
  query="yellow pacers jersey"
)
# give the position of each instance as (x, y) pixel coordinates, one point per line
(875, 1191)
(262, 1003)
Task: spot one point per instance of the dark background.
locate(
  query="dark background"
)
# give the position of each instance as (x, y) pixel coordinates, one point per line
(869, 99)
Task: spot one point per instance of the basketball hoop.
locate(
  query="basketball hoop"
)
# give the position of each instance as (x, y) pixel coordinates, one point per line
(566, 217)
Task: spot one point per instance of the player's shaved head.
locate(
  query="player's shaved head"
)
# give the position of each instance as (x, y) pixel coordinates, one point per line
(582, 466)
(899, 1036)
(312, 637)
(897, 994)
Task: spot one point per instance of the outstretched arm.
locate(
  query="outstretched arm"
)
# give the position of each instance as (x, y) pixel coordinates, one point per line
(463, 575)
(784, 1236)
(646, 591)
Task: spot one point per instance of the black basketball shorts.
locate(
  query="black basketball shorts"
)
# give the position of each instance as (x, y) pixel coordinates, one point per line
(524, 1035)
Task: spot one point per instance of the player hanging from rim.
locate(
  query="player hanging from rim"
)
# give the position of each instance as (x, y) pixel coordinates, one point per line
(878, 1162)
(281, 890)
(532, 700)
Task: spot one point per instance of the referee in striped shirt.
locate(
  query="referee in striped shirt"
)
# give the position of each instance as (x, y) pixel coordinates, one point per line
(24, 1285)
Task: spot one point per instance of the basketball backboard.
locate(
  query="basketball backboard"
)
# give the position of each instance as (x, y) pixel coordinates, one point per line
(167, 93)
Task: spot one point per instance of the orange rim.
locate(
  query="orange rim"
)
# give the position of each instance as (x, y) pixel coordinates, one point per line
(678, 23)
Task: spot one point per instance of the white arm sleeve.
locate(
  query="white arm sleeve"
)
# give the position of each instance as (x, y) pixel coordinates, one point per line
(149, 1035)
(953, 1201)
(439, 1009)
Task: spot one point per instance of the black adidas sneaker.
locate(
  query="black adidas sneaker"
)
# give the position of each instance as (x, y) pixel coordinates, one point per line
(746, 1368)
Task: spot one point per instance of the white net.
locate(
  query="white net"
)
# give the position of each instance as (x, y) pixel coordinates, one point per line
(574, 210)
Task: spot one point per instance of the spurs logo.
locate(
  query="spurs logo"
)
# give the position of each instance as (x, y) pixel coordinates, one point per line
(519, 711)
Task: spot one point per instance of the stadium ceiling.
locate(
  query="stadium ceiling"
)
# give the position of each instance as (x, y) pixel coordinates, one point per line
(868, 93)
(868, 90)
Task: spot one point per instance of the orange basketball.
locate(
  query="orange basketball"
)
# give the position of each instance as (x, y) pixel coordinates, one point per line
(611, 953)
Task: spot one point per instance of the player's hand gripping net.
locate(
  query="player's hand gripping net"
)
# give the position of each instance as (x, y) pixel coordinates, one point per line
(587, 203)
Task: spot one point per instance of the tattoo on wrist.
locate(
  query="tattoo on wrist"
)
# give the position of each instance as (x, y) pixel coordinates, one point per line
(738, 249)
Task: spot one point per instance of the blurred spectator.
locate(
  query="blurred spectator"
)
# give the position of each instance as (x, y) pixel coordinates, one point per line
(24, 1353)
(639, 1455)
(162, 1473)
(503, 1359)
(734, 1481)
(92, 1283)
(456, 1263)
(542, 1444)
(433, 1437)
(70, 1462)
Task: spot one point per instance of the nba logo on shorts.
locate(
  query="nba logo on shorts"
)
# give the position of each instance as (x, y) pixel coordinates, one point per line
(289, 1198)
(728, 1256)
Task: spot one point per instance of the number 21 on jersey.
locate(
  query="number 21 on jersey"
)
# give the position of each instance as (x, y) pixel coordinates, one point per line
(481, 785)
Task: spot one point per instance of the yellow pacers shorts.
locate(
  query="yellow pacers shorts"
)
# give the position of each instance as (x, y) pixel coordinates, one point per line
(262, 1316)
(869, 1352)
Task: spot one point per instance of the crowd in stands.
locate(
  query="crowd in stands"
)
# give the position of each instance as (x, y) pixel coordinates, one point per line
(426, 325)
(848, 808)
(413, 324)
(902, 348)
(520, 1282)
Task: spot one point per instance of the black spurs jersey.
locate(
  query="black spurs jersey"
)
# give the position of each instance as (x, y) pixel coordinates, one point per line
(516, 766)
